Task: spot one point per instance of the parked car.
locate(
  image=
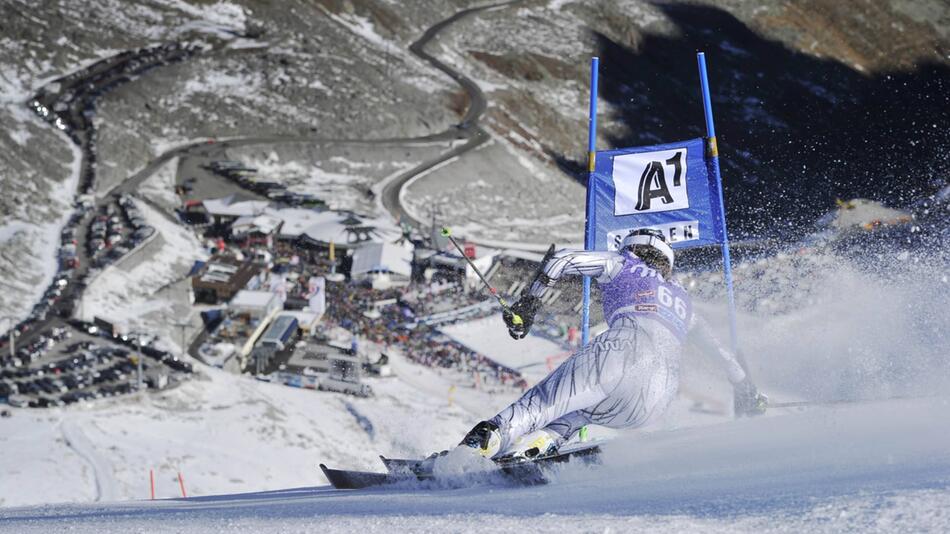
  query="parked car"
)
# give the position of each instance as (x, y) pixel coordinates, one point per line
(18, 401)
(143, 233)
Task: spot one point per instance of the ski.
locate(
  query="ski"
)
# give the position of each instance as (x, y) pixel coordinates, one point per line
(348, 479)
(518, 472)
(588, 449)
(521, 474)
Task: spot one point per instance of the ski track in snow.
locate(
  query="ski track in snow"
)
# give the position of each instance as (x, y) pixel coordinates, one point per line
(105, 483)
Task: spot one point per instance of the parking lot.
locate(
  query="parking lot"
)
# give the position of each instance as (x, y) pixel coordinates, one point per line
(99, 232)
(79, 362)
(201, 178)
(116, 229)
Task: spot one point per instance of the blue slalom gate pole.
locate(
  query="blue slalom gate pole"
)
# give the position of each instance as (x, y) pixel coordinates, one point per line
(591, 160)
(713, 155)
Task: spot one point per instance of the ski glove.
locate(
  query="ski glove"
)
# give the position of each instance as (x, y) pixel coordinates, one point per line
(521, 316)
(747, 401)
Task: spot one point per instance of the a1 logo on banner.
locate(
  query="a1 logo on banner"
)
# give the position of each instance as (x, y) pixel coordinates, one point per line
(650, 182)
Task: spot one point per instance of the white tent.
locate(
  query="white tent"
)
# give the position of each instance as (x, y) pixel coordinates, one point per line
(392, 258)
(234, 206)
(350, 231)
(297, 220)
(257, 303)
(343, 229)
(265, 224)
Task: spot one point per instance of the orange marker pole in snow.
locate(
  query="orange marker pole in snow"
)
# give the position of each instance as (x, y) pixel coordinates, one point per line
(151, 481)
(181, 484)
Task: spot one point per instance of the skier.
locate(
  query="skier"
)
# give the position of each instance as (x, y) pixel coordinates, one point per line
(629, 374)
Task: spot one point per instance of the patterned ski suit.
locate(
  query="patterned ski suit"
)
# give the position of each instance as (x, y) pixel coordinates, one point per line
(627, 375)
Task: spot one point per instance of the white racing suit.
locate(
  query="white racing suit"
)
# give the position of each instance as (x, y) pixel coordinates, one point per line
(627, 375)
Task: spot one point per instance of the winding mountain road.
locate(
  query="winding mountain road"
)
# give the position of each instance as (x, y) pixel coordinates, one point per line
(467, 129)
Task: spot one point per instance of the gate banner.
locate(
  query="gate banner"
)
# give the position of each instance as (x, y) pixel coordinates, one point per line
(669, 187)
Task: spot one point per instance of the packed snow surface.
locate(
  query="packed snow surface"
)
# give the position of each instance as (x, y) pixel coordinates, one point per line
(873, 467)
(533, 356)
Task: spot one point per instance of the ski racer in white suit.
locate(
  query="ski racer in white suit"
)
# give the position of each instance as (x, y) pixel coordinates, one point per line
(627, 375)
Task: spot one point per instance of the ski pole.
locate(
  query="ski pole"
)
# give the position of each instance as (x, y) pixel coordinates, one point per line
(516, 319)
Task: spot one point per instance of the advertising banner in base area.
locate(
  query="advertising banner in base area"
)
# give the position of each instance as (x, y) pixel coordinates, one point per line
(668, 187)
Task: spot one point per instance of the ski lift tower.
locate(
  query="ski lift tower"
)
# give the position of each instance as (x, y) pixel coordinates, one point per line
(181, 328)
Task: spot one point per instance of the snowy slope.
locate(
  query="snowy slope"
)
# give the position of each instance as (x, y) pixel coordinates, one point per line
(224, 433)
(533, 356)
(877, 467)
(233, 434)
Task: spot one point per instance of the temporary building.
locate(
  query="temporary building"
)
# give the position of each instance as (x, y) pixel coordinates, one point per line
(234, 206)
(261, 224)
(344, 229)
(393, 259)
(255, 303)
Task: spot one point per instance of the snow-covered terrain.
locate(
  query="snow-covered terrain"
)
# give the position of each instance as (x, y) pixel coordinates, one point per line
(224, 433)
(848, 465)
(160, 187)
(879, 467)
(232, 434)
(828, 319)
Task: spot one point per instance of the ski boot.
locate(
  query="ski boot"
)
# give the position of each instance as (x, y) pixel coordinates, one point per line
(747, 401)
(532, 445)
(484, 439)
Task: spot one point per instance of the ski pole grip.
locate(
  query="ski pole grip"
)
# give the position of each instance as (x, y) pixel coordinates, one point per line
(446, 232)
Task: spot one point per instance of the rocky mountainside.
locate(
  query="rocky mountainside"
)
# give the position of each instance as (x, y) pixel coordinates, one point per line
(814, 99)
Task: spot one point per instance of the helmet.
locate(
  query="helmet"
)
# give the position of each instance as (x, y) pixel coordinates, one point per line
(649, 244)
